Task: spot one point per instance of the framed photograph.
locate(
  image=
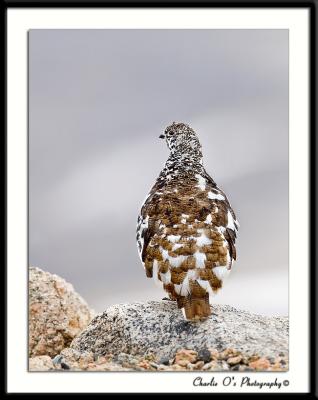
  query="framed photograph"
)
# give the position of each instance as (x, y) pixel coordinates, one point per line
(160, 197)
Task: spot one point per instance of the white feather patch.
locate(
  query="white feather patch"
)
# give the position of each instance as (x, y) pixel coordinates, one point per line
(155, 273)
(176, 261)
(164, 253)
(203, 240)
(143, 226)
(173, 238)
(184, 218)
(165, 277)
(230, 221)
(199, 259)
(201, 182)
(192, 274)
(183, 289)
(173, 261)
(205, 285)
(215, 196)
(221, 272)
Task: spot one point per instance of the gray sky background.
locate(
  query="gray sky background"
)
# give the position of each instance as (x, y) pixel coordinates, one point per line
(99, 99)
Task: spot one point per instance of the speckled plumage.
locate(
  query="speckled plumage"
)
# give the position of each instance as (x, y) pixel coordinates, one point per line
(186, 229)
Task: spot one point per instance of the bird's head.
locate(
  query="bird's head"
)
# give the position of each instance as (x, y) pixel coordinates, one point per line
(181, 138)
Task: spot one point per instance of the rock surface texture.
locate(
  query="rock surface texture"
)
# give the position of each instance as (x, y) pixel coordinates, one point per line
(157, 329)
(56, 314)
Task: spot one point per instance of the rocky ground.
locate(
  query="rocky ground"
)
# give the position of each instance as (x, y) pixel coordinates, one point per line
(150, 336)
(183, 360)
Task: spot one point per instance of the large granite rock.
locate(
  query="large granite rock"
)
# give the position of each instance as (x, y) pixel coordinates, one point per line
(56, 313)
(158, 329)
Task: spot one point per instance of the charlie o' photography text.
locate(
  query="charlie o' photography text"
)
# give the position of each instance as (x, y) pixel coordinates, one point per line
(240, 382)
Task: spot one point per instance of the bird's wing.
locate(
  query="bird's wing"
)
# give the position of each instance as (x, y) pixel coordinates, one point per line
(224, 216)
(146, 224)
(143, 234)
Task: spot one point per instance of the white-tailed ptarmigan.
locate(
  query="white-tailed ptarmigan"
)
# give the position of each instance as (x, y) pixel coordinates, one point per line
(186, 229)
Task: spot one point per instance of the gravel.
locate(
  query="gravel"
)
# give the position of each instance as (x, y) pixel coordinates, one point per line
(183, 360)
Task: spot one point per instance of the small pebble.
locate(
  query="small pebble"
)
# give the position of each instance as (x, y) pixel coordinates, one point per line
(214, 354)
(223, 355)
(164, 360)
(57, 359)
(225, 366)
(244, 368)
(260, 364)
(254, 357)
(204, 355)
(64, 365)
(199, 365)
(144, 364)
(234, 360)
(184, 356)
(177, 367)
(208, 366)
(190, 366)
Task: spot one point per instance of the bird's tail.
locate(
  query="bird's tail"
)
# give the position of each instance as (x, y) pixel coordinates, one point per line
(197, 308)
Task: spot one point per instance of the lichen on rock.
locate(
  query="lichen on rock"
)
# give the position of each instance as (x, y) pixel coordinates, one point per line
(158, 329)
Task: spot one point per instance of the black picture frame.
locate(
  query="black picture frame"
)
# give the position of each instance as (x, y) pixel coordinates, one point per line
(311, 5)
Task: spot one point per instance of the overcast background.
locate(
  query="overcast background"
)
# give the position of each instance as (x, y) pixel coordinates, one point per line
(99, 99)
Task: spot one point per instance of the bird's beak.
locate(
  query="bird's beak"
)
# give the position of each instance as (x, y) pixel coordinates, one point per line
(162, 136)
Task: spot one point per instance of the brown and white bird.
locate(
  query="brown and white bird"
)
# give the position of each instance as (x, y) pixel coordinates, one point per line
(186, 229)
